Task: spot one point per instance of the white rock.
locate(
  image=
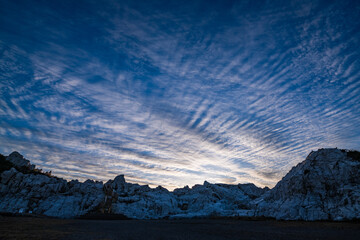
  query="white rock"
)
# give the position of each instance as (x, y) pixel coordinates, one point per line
(324, 186)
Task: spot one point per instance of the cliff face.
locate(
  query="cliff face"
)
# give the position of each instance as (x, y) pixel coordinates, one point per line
(325, 186)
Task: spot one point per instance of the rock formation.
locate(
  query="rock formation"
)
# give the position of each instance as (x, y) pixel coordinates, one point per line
(19, 161)
(326, 186)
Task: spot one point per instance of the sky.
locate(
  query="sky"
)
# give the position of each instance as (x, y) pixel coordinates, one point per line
(174, 93)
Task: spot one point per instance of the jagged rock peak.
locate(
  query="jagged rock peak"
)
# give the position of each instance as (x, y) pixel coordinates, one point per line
(16, 154)
(119, 182)
(19, 161)
(120, 179)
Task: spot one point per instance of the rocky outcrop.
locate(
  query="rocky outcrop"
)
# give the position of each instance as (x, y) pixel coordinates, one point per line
(326, 186)
(217, 199)
(19, 161)
(28, 190)
(50, 196)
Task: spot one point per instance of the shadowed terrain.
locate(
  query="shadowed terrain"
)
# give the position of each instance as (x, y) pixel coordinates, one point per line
(44, 228)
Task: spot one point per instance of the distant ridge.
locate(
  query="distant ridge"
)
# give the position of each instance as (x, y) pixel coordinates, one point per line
(325, 186)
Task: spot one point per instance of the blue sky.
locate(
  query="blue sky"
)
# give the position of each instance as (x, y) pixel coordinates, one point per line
(173, 93)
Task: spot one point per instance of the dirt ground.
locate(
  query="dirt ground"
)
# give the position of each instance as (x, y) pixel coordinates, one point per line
(77, 229)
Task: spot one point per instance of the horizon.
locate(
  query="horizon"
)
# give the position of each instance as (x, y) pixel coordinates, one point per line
(177, 94)
(103, 182)
(191, 186)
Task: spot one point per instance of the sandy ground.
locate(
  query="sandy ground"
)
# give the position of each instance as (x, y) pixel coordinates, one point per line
(45, 228)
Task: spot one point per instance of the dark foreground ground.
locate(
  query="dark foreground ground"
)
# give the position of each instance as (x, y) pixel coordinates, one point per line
(45, 228)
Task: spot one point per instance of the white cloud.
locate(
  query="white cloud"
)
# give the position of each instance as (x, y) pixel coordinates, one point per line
(184, 101)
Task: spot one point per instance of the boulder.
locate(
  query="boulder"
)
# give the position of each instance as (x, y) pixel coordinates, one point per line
(7, 175)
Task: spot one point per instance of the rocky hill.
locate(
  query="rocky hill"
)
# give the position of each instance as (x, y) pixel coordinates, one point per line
(323, 187)
(326, 186)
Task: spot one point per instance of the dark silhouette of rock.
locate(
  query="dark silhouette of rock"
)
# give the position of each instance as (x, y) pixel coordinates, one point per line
(19, 161)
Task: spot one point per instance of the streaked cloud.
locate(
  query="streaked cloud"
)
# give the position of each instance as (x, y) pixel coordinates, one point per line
(172, 94)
